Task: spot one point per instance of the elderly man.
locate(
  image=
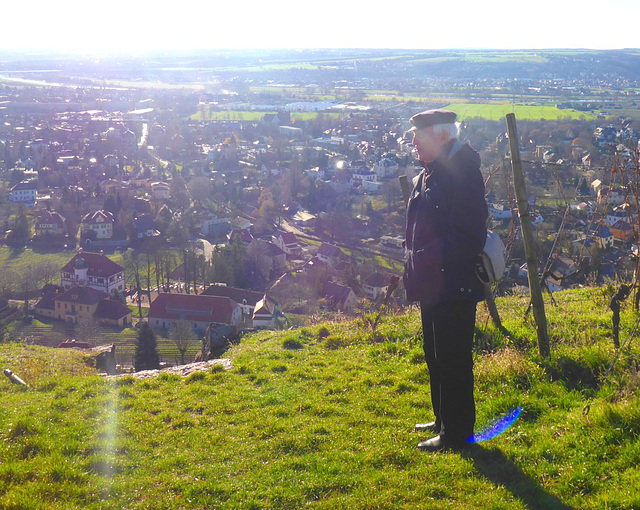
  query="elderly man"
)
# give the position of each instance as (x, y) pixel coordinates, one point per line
(446, 231)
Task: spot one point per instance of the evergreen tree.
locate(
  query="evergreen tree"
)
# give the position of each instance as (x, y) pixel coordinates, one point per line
(146, 356)
(21, 231)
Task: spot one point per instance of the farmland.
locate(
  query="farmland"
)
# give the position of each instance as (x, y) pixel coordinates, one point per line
(522, 111)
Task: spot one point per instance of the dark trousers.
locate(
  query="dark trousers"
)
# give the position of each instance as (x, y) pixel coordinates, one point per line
(448, 330)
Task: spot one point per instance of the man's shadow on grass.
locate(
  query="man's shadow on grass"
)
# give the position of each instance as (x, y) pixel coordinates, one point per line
(496, 467)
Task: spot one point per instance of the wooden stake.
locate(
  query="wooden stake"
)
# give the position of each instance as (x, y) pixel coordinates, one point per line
(527, 234)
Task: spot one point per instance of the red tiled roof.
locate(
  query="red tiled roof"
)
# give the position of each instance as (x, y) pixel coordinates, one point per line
(245, 235)
(72, 344)
(329, 250)
(46, 302)
(191, 307)
(111, 309)
(49, 218)
(237, 295)
(336, 293)
(81, 295)
(99, 265)
(378, 279)
(314, 263)
(92, 218)
(289, 238)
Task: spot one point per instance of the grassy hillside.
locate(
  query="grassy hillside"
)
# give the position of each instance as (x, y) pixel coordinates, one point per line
(323, 416)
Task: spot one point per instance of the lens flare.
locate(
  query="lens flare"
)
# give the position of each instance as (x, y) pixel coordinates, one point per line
(496, 427)
(109, 439)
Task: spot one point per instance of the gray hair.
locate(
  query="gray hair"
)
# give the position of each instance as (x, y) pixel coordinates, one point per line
(452, 129)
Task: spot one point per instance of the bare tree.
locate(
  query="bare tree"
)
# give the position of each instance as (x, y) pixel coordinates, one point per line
(7, 281)
(183, 336)
(133, 268)
(169, 263)
(86, 331)
(29, 279)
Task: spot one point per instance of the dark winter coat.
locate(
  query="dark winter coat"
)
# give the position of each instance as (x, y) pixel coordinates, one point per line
(446, 228)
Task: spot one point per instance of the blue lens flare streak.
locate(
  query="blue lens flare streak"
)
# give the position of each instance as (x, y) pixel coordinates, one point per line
(497, 427)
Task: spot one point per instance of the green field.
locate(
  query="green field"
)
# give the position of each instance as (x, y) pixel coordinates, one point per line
(523, 112)
(524, 57)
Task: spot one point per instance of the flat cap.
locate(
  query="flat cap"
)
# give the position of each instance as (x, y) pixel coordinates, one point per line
(429, 118)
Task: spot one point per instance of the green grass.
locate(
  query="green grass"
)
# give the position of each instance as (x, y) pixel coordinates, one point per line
(522, 112)
(322, 417)
(524, 57)
(22, 259)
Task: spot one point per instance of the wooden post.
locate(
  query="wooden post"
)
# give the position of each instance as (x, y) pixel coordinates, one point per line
(405, 186)
(527, 234)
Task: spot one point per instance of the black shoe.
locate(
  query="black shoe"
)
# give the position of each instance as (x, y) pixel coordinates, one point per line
(428, 427)
(438, 443)
(435, 444)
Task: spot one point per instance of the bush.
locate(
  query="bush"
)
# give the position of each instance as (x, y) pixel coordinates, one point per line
(290, 343)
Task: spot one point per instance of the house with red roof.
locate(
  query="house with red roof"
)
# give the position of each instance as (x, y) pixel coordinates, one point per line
(339, 297)
(329, 254)
(243, 233)
(376, 285)
(51, 223)
(199, 311)
(287, 242)
(258, 310)
(622, 230)
(82, 304)
(93, 270)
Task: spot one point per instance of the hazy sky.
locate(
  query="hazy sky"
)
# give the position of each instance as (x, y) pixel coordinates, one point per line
(139, 25)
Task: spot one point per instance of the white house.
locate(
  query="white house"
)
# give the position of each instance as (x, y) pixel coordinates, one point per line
(360, 177)
(214, 226)
(25, 192)
(93, 270)
(386, 167)
(499, 211)
(375, 285)
(622, 212)
(287, 242)
(329, 254)
(315, 173)
(264, 313)
(614, 196)
(160, 190)
(602, 236)
(371, 186)
(101, 222)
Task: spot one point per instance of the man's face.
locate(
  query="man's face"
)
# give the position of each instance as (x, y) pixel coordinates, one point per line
(428, 145)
